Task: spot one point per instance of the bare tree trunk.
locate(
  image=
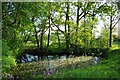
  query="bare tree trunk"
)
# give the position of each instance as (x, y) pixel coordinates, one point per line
(77, 22)
(66, 23)
(84, 30)
(49, 24)
(35, 33)
(91, 31)
(58, 38)
(36, 38)
(110, 42)
(66, 31)
(49, 33)
(41, 40)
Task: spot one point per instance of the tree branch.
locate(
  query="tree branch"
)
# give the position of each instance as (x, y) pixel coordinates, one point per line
(116, 17)
(57, 26)
(71, 17)
(116, 23)
(83, 16)
(44, 31)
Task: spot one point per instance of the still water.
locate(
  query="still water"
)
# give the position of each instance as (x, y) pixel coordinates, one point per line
(32, 58)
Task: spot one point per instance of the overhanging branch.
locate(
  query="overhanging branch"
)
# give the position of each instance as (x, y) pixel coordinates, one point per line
(116, 23)
(56, 26)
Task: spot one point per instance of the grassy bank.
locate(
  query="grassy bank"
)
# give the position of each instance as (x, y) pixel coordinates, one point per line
(105, 69)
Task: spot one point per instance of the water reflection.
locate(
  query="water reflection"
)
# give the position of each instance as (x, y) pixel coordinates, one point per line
(31, 58)
(50, 58)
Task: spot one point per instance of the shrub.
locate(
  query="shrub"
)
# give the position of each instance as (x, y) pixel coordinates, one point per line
(8, 59)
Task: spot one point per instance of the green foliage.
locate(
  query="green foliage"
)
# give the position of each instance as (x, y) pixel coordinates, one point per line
(54, 48)
(7, 63)
(8, 59)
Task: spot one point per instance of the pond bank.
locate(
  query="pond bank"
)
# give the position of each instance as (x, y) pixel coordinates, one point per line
(38, 68)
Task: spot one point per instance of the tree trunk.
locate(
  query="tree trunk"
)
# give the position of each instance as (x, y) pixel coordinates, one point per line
(35, 33)
(68, 39)
(77, 22)
(58, 38)
(66, 30)
(110, 42)
(84, 30)
(91, 30)
(41, 40)
(66, 23)
(36, 38)
(49, 33)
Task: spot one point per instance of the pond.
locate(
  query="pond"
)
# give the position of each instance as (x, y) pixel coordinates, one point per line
(31, 58)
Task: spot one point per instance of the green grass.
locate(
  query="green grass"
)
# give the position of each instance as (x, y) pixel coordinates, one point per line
(115, 45)
(105, 69)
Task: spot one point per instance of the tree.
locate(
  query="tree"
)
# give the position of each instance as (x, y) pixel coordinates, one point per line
(113, 21)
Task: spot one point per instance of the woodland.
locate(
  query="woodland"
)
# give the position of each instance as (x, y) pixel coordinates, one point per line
(60, 40)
